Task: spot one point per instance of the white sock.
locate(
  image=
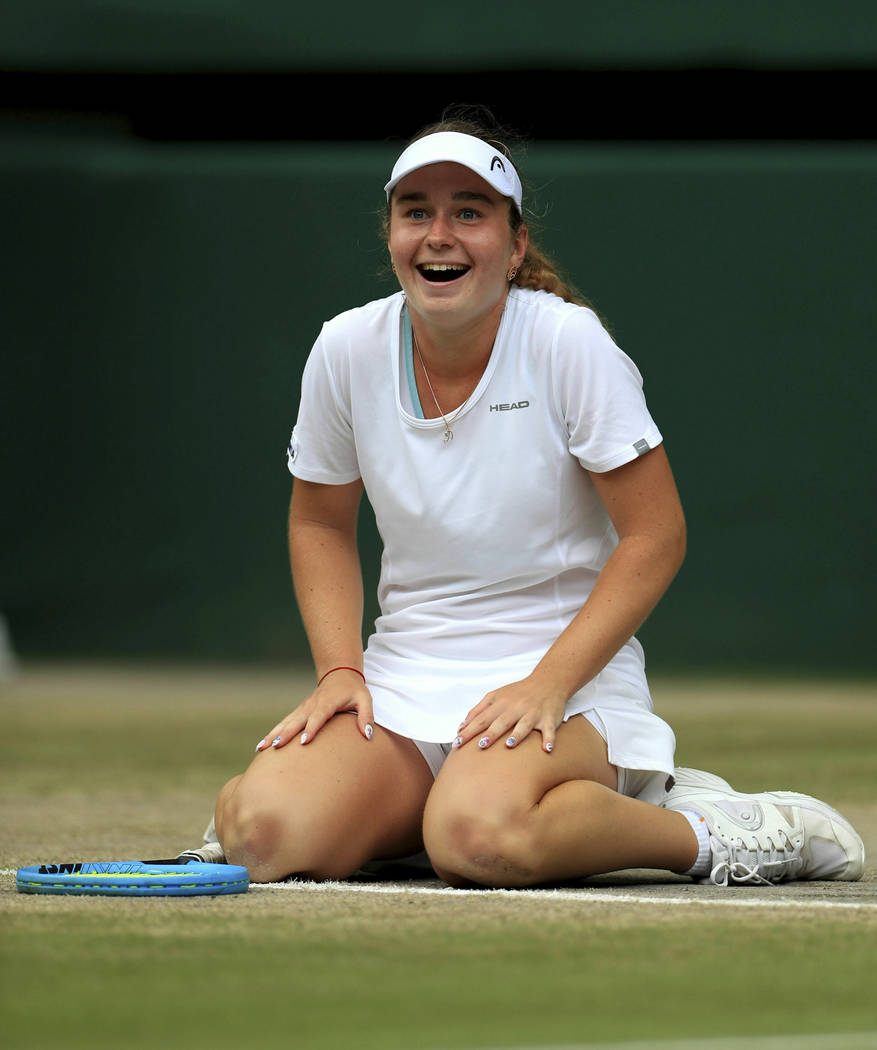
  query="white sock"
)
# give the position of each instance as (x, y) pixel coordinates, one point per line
(701, 866)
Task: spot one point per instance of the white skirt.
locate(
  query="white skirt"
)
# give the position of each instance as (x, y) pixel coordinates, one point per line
(426, 700)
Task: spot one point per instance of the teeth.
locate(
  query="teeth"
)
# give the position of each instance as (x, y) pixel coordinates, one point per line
(443, 266)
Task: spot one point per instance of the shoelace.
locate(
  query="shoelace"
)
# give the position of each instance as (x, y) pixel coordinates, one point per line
(764, 867)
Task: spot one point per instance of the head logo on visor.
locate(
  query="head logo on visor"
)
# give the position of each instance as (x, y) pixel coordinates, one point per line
(473, 153)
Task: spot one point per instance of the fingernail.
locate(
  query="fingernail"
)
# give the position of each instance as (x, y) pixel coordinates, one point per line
(549, 747)
(303, 739)
(275, 741)
(484, 742)
(369, 731)
(462, 725)
(510, 742)
(458, 741)
(260, 745)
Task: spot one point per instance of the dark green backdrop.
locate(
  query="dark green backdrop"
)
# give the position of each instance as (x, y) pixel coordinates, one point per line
(396, 35)
(159, 301)
(185, 196)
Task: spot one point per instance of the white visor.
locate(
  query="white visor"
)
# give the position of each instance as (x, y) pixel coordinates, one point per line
(473, 153)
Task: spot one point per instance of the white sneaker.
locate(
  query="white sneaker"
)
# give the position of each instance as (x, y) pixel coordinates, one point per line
(211, 853)
(771, 837)
(696, 780)
(210, 832)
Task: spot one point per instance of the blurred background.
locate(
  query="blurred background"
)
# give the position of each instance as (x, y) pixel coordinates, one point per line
(188, 190)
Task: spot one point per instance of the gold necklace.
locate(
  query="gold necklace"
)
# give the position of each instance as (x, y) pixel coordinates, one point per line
(449, 434)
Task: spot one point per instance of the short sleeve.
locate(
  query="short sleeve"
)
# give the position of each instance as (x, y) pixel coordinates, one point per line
(599, 395)
(322, 446)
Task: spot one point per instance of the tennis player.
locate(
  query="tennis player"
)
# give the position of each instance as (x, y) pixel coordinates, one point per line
(500, 715)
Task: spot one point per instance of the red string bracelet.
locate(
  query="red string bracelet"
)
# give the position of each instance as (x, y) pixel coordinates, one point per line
(354, 669)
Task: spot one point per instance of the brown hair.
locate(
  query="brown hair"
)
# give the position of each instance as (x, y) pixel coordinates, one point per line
(537, 271)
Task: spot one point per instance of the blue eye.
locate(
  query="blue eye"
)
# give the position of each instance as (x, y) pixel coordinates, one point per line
(468, 213)
(417, 214)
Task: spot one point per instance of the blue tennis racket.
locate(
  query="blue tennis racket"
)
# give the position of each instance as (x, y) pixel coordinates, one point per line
(133, 878)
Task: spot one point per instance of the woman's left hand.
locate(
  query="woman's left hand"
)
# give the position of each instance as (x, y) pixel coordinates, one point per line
(509, 714)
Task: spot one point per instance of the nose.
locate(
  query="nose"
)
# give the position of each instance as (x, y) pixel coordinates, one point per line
(440, 234)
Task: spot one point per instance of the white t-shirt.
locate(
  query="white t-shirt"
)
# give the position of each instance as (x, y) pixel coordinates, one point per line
(492, 541)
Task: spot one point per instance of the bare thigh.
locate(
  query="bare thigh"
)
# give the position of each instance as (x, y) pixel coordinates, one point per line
(510, 780)
(324, 809)
(521, 810)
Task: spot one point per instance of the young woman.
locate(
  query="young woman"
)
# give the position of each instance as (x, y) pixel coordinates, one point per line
(500, 715)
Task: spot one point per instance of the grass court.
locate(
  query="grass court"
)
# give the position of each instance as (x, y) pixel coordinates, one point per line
(115, 763)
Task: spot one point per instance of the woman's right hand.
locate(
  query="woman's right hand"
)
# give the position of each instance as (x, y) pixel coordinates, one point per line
(340, 690)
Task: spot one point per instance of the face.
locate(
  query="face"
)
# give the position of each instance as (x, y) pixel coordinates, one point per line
(452, 246)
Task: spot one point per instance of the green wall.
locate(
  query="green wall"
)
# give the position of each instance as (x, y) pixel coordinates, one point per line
(247, 35)
(159, 301)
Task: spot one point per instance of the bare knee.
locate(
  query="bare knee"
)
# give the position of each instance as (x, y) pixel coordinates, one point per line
(272, 842)
(250, 836)
(476, 846)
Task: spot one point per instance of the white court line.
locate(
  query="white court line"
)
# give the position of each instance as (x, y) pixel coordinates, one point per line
(622, 897)
(828, 1041)
(587, 895)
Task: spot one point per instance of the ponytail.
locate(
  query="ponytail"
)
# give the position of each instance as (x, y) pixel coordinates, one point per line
(541, 274)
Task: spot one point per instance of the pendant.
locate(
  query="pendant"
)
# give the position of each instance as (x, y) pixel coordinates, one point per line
(449, 435)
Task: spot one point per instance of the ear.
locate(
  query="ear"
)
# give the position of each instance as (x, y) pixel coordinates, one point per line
(519, 246)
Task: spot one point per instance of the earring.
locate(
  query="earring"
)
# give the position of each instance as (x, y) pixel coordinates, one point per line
(513, 272)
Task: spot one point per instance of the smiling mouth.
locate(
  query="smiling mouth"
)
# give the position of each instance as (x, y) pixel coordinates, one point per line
(442, 273)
